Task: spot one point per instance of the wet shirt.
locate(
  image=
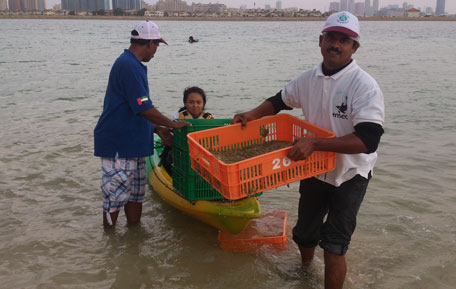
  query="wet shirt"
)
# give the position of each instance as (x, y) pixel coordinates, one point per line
(120, 129)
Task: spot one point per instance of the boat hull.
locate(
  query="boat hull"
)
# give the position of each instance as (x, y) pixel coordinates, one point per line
(229, 216)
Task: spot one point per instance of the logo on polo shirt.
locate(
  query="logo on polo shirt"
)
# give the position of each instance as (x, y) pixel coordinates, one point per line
(340, 105)
(142, 99)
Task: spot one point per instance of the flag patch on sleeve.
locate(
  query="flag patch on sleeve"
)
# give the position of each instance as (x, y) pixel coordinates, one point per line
(142, 99)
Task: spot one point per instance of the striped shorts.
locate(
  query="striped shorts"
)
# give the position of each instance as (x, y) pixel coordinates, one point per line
(123, 181)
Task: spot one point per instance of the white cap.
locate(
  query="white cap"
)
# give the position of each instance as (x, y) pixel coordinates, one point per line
(147, 30)
(343, 22)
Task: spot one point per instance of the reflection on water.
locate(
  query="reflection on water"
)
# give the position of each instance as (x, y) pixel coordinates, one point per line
(52, 89)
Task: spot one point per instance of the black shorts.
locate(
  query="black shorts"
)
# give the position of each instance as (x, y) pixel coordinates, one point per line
(340, 204)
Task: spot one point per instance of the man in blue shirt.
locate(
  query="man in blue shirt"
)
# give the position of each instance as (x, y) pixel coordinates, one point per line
(123, 135)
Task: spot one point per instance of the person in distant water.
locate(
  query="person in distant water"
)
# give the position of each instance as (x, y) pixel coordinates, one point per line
(123, 136)
(191, 39)
(339, 96)
(194, 104)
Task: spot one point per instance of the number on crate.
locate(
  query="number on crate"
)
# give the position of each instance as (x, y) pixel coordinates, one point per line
(276, 163)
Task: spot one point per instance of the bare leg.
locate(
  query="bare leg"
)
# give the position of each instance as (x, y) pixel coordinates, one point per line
(307, 255)
(335, 271)
(133, 212)
(113, 216)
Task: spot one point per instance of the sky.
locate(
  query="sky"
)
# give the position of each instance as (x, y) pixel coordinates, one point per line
(322, 5)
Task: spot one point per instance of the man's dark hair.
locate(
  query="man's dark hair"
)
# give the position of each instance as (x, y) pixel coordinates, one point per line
(138, 41)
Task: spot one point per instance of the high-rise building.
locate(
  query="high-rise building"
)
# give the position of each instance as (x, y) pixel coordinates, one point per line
(375, 6)
(126, 4)
(351, 6)
(41, 5)
(440, 8)
(14, 5)
(343, 5)
(86, 5)
(334, 6)
(26, 5)
(107, 5)
(367, 8)
(3, 5)
(359, 8)
(279, 4)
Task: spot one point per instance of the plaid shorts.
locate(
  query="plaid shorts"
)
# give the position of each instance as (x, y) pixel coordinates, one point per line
(123, 181)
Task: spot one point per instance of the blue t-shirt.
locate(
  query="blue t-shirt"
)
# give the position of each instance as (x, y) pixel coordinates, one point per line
(120, 128)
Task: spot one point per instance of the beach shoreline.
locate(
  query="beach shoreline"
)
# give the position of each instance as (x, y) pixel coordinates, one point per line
(227, 19)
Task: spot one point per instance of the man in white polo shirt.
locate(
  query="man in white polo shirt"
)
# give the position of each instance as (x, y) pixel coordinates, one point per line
(338, 96)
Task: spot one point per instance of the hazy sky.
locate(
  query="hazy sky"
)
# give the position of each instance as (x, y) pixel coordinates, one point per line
(321, 5)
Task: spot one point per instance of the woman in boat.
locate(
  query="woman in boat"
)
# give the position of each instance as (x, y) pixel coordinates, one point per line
(194, 104)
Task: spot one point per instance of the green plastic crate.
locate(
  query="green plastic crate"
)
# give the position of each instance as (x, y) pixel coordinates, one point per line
(191, 185)
(180, 135)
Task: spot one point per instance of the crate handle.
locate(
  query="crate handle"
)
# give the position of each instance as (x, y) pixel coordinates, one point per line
(205, 161)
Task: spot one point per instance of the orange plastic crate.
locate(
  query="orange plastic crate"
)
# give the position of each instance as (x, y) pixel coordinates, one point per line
(270, 228)
(261, 173)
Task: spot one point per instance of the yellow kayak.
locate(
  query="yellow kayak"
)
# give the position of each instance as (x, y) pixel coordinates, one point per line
(229, 216)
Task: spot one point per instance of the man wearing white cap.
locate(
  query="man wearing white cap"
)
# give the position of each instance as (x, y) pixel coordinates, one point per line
(339, 96)
(123, 135)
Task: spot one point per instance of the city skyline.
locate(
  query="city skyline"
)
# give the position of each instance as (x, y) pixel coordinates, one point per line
(322, 5)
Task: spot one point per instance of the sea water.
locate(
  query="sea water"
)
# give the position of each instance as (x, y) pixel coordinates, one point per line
(53, 79)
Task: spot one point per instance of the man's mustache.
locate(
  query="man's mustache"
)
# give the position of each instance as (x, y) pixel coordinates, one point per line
(333, 49)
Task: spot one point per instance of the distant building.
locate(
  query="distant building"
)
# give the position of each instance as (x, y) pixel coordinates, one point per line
(14, 5)
(267, 7)
(440, 8)
(154, 13)
(375, 5)
(173, 6)
(367, 8)
(359, 8)
(124, 4)
(207, 8)
(27, 5)
(86, 5)
(3, 5)
(334, 6)
(390, 12)
(107, 5)
(351, 6)
(343, 5)
(42, 5)
(279, 4)
(412, 12)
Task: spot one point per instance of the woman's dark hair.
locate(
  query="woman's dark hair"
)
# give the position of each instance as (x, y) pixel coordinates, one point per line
(193, 89)
(138, 41)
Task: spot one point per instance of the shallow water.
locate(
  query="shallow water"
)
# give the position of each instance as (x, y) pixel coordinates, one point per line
(54, 75)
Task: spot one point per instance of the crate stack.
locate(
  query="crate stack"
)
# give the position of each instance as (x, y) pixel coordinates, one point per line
(191, 185)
